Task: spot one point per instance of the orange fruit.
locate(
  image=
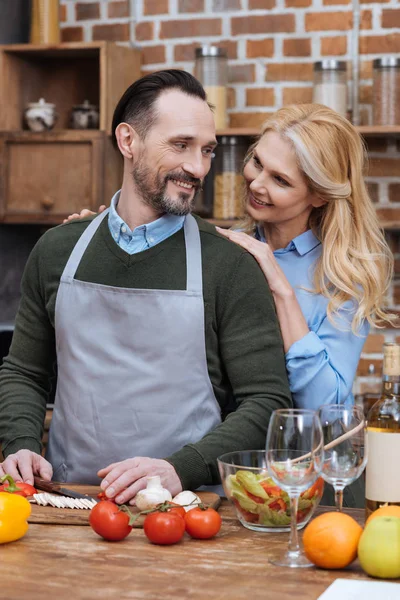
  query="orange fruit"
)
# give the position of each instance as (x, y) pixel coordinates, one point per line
(385, 511)
(330, 541)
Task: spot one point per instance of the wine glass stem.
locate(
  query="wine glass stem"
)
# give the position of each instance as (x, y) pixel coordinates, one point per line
(294, 538)
(339, 499)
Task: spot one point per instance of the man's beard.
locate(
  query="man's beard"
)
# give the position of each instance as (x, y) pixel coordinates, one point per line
(153, 190)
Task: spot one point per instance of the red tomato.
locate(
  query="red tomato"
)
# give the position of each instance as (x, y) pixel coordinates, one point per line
(109, 521)
(278, 504)
(272, 490)
(164, 527)
(256, 499)
(202, 523)
(178, 509)
(102, 496)
(24, 489)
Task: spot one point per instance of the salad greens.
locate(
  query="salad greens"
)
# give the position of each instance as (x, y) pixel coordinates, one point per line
(260, 501)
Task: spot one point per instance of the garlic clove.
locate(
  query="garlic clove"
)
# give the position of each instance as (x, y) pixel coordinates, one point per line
(187, 499)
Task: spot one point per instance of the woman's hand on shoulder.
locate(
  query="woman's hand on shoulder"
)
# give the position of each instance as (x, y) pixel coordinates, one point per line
(265, 257)
(85, 212)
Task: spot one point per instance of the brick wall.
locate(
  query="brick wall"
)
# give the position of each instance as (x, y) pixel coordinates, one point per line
(272, 45)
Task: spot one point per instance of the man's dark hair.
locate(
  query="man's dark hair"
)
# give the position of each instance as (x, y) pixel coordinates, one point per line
(136, 106)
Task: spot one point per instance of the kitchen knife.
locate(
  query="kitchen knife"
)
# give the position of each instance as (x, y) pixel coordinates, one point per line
(55, 488)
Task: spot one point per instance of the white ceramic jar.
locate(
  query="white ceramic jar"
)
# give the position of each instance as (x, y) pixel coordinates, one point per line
(40, 116)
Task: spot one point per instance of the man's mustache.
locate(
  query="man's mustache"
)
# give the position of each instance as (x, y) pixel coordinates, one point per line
(186, 178)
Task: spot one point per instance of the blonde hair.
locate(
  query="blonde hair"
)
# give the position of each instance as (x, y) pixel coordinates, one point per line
(356, 262)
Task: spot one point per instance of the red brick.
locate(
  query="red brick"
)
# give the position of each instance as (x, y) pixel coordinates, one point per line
(297, 47)
(388, 215)
(366, 69)
(260, 48)
(72, 34)
(380, 44)
(297, 95)
(241, 73)
(231, 102)
(266, 4)
(260, 97)
(394, 192)
(297, 3)
(263, 24)
(391, 17)
(155, 7)
(87, 11)
(384, 167)
(116, 32)
(144, 31)
(374, 343)
(191, 6)
(340, 21)
(190, 28)
(248, 119)
(289, 72)
(153, 54)
(334, 46)
(118, 10)
(62, 13)
(186, 52)
(330, 2)
(373, 191)
(364, 363)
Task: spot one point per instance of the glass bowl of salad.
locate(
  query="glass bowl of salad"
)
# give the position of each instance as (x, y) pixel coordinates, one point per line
(259, 503)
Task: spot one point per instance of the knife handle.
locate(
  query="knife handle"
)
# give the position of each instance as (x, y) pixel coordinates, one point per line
(46, 486)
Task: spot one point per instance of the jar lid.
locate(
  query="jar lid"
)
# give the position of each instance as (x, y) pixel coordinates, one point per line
(209, 51)
(85, 106)
(41, 104)
(231, 140)
(330, 64)
(386, 61)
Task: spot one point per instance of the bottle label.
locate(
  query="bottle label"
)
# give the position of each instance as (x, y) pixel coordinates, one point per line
(382, 476)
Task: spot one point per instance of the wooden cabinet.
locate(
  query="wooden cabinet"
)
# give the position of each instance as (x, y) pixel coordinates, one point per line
(47, 176)
(44, 177)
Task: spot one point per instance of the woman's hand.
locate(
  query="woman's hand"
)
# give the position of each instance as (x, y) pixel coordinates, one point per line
(265, 257)
(85, 212)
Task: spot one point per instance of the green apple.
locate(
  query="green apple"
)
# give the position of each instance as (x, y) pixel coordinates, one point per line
(379, 548)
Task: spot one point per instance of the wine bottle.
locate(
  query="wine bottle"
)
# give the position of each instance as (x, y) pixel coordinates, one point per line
(382, 474)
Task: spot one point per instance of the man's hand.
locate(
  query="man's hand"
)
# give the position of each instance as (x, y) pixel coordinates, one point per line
(24, 464)
(123, 480)
(85, 212)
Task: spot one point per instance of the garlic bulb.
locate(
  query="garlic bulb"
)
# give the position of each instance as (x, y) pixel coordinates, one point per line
(187, 498)
(153, 494)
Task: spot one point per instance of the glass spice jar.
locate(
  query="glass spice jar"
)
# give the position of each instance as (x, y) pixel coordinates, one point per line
(386, 91)
(211, 69)
(228, 180)
(330, 84)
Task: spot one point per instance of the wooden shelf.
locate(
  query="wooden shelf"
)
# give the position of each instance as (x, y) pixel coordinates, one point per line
(365, 130)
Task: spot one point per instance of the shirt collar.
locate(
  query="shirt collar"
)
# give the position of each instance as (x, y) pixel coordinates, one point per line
(154, 232)
(303, 243)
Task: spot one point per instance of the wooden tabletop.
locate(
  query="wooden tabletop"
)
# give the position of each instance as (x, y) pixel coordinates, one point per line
(70, 562)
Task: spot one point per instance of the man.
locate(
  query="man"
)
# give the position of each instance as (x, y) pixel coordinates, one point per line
(156, 322)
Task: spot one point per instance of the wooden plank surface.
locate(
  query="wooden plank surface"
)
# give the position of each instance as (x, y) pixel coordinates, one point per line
(73, 562)
(71, 516)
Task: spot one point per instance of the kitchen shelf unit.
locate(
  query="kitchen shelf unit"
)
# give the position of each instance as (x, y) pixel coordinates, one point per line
(364, 130)
(46, 176)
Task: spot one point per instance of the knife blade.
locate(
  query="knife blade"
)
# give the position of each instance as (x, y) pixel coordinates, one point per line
(55, 488)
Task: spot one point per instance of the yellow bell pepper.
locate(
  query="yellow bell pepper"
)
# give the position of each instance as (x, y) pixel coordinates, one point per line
(14, 512)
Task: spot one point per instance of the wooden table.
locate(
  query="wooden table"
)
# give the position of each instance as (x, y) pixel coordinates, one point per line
(72, 562)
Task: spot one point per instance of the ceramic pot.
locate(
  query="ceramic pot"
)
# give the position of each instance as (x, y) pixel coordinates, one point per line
(85, 116)
(40, 116)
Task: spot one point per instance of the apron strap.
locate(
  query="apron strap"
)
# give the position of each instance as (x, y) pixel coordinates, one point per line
(194, 273)
(80, 248)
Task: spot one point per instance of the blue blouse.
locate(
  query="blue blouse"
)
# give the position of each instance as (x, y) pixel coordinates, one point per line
(322, 365)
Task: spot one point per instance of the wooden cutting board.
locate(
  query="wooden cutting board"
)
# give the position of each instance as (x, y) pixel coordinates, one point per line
(50, 515)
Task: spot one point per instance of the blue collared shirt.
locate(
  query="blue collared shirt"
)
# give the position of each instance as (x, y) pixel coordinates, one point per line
(322, 365)
(144, 236)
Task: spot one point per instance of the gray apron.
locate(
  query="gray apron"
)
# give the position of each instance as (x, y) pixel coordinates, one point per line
(132, 369)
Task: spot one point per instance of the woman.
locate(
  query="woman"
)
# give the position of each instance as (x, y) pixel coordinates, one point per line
(312, 228)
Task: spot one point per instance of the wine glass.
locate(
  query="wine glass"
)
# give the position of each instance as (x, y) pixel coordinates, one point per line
(344, 428)
(295, 455)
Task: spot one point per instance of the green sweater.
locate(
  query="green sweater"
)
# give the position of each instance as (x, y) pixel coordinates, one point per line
(243, 343)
